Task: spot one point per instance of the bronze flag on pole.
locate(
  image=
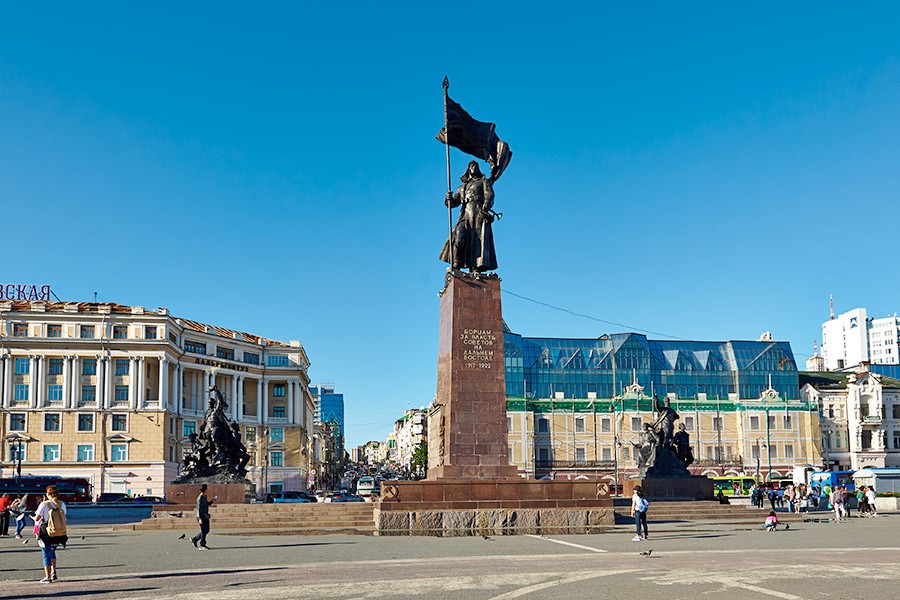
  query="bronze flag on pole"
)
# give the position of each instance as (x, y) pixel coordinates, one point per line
(476, 138)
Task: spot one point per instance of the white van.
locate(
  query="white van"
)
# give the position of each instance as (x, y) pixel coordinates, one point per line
(365, 487)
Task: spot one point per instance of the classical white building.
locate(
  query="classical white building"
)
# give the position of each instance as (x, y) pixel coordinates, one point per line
(859, 418)
(853, 338)
(409, 433)
(112, 393)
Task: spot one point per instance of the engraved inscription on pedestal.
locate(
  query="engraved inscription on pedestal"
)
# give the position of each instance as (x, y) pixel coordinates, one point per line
(478, 344)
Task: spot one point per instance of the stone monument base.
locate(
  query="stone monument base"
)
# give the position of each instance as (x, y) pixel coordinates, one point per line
(463, 507)
(228, 493)
(672, 488)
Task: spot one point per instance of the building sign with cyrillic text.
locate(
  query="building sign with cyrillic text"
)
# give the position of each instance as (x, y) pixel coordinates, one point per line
(25, 291)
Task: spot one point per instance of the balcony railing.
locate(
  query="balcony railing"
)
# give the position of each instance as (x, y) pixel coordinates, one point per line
(871, 420)
(575, 464)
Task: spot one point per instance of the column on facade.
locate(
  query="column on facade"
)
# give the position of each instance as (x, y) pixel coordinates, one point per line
(164, 395)
(179, 390)
(6, 365)
(42, 381)
(132, 382)
(100, 381)
(76, 381)
(260, 412)
(232, 405)
(32, 381)
(109, 388)
(142, 379)
(67, 383)
(240, 398)
(290, 401)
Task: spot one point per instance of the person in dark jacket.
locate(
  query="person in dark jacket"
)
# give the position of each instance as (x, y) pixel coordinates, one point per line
(202, 515)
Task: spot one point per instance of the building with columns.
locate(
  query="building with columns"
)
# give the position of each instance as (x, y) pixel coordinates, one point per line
(112, 393)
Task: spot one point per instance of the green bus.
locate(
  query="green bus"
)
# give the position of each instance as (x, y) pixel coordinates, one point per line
(728, 484)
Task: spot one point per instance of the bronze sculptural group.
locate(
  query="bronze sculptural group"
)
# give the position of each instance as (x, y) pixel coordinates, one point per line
(216, 454)
(661, 451)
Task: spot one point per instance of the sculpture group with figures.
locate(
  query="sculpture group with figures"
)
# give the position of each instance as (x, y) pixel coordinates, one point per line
(661, 452)
(216, 453)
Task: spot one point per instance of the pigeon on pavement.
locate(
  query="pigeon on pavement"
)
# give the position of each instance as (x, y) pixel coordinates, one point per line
(181, 537)
(647, 552)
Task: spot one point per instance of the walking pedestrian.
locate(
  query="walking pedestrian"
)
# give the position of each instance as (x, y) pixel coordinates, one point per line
(18, 510)
(870, 496)
(639, 506)
(5, 503)
(838, 502)
(50, 517)
(202, 514)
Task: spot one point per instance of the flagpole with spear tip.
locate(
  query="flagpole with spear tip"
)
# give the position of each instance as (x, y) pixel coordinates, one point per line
(449, 188)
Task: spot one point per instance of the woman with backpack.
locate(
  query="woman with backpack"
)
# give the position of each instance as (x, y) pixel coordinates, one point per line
(50, 517)
(639, 506)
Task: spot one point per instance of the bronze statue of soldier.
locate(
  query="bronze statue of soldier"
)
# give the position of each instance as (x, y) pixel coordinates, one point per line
(473, 237)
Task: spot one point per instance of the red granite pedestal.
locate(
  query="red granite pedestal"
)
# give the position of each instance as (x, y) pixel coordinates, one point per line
(471, 487)
(186, 493)
(676, 488)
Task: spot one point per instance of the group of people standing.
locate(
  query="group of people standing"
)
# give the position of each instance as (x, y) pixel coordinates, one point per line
(49, 525)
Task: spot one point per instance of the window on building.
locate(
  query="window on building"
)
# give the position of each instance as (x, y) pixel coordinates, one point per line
(276, 434)
(636, 424)
(895, 411)
(773, 451)
(866, 440)
(838, 436)
(149, 332)
(605, 425)
(194, 347)
(509, 454)
(278, 412)
(122, 366)
(118, 452)
(279, 390)
(54, 393)
(626, 453)
(86, 422)
(787, 421)
(13, 452)
(830, 411)
(717, 423)
(897, 440)
(250, 435)
(89, 366)
(580, 455)
(54, 331)
(754, 422)
(23, 366)
(251, 358)
(754, 452)
(55, 366)
(579, 424)
(17, 421)
(86, 332)
(689, 423)
(20, 392)
(226, 353)
(121, 394)
(120, 422)
(171, 453)
(789, 451)
(20, 330)
(188, 427)
(771, 421)
(278, 360)
(84, 452)
(508, 424)
(89, 393)
(120, 332)
(51, 453)
(543, 454)
(709, 453)
(276, 459)
(51, 422)
(543, 425)
(605, 454)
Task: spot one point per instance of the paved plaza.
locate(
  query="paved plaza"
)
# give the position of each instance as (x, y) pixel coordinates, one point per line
(855, 559)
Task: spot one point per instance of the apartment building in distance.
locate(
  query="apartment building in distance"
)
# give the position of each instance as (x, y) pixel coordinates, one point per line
(112, 393)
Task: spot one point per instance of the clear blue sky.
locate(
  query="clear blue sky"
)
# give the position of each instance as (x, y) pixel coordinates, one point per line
(702, 170)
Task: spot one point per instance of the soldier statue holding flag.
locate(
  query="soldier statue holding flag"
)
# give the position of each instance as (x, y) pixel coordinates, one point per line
(471, 243)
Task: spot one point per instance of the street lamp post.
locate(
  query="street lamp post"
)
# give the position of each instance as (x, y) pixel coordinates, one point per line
(758, 452)
(19, 466)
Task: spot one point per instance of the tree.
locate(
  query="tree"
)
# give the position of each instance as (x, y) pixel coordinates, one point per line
(420, 459)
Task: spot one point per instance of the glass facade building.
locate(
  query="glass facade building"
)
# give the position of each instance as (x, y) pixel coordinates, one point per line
(604, 367)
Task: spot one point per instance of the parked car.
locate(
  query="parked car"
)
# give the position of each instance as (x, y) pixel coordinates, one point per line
(290, 498)
(345, 497)
(150, 500)
(114, 497)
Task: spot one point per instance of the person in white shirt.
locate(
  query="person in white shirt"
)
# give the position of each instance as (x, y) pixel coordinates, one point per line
(48, 543)
(639, 506)
(870, 496)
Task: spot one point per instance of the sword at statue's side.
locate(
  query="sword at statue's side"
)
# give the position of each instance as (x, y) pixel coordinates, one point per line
(449, 188)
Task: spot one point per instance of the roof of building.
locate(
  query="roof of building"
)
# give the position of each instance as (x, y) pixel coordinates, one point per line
(122, 309)
(838, 380)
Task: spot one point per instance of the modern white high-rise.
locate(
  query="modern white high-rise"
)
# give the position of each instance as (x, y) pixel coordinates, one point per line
(853, 337)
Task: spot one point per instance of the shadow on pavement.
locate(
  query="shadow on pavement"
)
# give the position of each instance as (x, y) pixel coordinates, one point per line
(307, 544)
(211, 572)
(80, 593)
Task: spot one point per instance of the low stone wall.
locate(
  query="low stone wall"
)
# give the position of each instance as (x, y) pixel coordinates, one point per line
(494, 522)
(458, 507)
